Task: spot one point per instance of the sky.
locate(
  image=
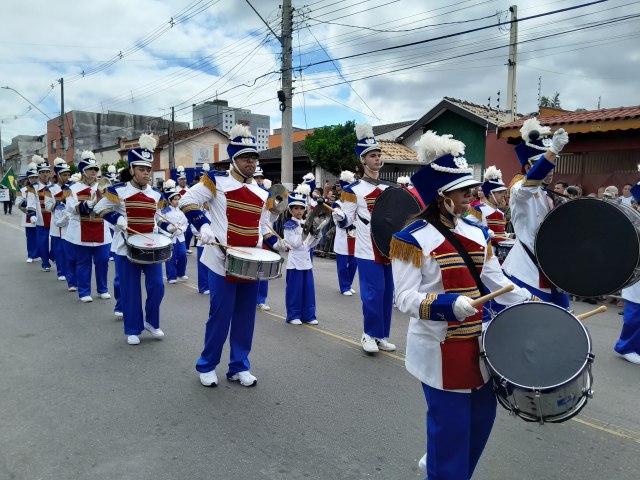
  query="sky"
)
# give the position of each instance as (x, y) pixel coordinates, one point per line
(351, 58)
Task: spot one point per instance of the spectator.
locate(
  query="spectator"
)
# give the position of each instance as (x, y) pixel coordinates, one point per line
(611, 192)
(601, 192)
(561, 187)
(626, 197)
(572, 191)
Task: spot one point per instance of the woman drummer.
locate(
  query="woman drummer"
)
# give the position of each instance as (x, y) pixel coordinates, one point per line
(434, 285)
(131, 208)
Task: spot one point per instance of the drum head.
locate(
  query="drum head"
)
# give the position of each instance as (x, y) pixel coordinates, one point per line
(149, 240)
(536, 344)
(253, 253)
(589, 247)
(392, 209)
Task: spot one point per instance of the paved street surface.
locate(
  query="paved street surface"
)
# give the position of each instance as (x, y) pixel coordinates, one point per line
(77, 402)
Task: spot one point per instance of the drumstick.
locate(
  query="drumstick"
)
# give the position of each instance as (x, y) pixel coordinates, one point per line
(229, 247)
(330, 208)
(584, 316)
(478, 302)
(166, 220)
(141, 234)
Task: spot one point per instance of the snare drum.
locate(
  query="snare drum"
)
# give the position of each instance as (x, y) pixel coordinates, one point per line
(148, 248)
(253, 263)
(539, 357)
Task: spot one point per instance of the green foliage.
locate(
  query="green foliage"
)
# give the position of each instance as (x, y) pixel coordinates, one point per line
(553, 102)
(332, 147)
(119, 164)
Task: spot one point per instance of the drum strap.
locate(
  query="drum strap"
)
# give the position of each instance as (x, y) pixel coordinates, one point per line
(543, 281)
(453, 240)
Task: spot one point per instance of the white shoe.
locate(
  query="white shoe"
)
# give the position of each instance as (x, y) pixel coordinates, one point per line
(245, 378)
(173, 281)
(295, 321)
(46, 269)
(111, 259)
(312, 322)
(385, 345)
(209, 379)
(632, 357)
(29, 260)
(348, 293)
(369, 344)
(105, 296)
(206, 292)
(133, 340)
(118, 314)
(62, 278)
(422, 464)
(156, 332)
(86, 299)
(189, 252)
(73, 289)
(263, 306)
(352, 290)
(184, 277)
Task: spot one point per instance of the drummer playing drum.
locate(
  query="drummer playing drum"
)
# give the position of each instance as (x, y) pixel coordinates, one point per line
(434, 285)
(239, 218)
(132, 207)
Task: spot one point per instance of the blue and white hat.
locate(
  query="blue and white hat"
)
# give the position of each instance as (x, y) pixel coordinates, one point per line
(259, 172)
(111, 174)
(536, 141)
(310, 179)
(300, 196)
(143, 155)
(42, 164)
(32, 170)
(366, 141)
(405, 181)
(635, 192)
(170, 189)
(347, 177)
(242, 143)
(446, 168)
(87, 160)
(492, 181)
(180, 173)
(60, 166)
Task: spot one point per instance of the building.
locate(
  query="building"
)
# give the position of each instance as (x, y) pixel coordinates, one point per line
(218, 113)
(298, 134)
(21, 150)
(100, 132)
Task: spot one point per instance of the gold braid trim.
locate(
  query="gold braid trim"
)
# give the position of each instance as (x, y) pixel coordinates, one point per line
(348, 197)
(104, 212)
(270, 203)
(515, 180)
(425, 306)
(475, 213)
(210, 184)
(489, 250)
(67, 193)
(406, 252)
(531, 183)
(162, 203)
(111, 196)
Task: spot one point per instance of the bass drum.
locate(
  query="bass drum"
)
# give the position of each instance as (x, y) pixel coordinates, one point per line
(539, 358)
(590, 247)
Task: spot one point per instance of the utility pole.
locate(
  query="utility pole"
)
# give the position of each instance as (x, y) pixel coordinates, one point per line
(286, 103)
(172, 144)
(63, 147)
(513, 54)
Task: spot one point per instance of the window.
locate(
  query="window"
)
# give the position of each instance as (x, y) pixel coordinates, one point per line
(54, 145)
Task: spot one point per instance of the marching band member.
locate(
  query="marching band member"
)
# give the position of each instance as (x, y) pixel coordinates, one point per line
(435, 284)
(344, 244)
(488, 212)
(69, 248)
(132, 206)
(37, 212)
(239, 218)
(263, 285)
(25, 220)
(182, 189)
(374, 270)
(176, 266)
(112, 174)
(529, 205)
(90, 236)
(300, 295)
(56, 204)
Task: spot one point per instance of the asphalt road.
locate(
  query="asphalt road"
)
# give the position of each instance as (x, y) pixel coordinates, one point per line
(77, 402)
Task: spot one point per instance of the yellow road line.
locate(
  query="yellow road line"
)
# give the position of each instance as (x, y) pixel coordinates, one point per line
(610, 429)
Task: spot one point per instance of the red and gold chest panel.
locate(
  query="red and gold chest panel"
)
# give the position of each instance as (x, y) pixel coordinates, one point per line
(46, 216)
(244, 209)
(91, 226)
(370, 198)
(141, 212)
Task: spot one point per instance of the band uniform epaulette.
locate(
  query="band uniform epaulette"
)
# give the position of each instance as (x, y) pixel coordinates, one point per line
(290, 224)
(405, 247)
(475, 211)
(209, 180)
(515, 180)
(111, 193)
(156, 189)
(348, 195)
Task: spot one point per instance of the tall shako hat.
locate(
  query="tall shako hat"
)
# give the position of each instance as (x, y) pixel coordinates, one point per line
(32, 170)
(112, 173)
(206, 167)
(492, 181)
(143, 155)
(87, 160)
(60, 166)
(299, 196)
(404, 181)
(41, 163)
(170, 190)
(446, 168)
(535, 141)
(366, 141)
(259, 172)
(180, 173)
(310, 179)
(242, 143)
(635, 192)
(347, 177)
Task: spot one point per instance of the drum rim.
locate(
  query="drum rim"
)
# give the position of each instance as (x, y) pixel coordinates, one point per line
(153, 235)
(588, 359)
(373, 236)
(237, 254)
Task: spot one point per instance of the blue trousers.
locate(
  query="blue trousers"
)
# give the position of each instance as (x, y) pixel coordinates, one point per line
(131, 294)
(100, 257)
(176, 266)
(116, 285)
(43, 245)
(629, 341)
(300, 295)
(32, 242)
(203, 273)
(458, 428)
(57, 247)
(347, 266)
(263, 291)
(376, 293)
(232, 313)
(556, 296)
(188, 236)
(70, 254)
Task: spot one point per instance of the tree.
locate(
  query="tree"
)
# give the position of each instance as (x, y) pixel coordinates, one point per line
(119, 164)
(553, 102)
(331, 147)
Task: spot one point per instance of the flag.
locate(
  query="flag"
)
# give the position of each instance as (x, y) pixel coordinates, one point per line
(9, 179)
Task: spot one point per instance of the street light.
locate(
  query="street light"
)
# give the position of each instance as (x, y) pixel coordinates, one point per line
(27, 100)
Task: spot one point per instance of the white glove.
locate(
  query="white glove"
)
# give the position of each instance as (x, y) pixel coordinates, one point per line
(560, 139)
(491, 233)
(281, 245)
(462, 308)
(121, 224)
(171, 228)
(206, 234)
(338, 215)
(92, 200)
(33, 220)
(318, 231)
